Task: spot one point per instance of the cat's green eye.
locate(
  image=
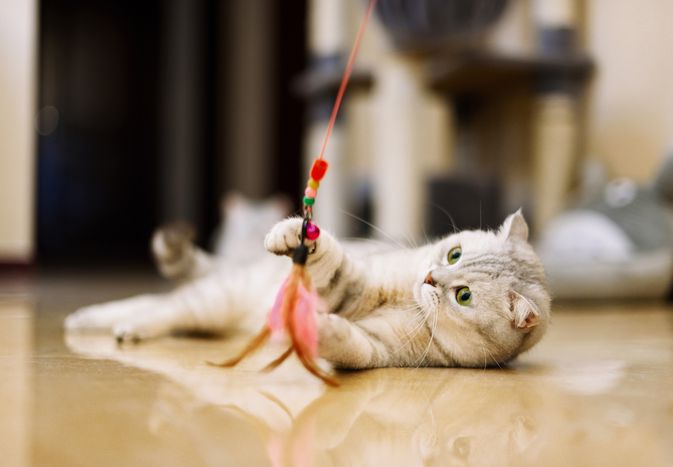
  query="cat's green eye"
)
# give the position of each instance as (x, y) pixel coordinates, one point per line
(464, 296)
(454, 255)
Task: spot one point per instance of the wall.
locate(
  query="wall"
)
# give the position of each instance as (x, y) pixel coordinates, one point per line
(17, 137)
(630, 100)
(631, 115)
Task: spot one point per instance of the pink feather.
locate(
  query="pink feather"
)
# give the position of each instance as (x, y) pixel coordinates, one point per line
(304, 323)
(276, 321)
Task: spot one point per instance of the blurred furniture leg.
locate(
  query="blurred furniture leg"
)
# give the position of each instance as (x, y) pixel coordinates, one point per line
(556, 131)
(398, 175)
(554, 149)
(182, 112)
(249, 97)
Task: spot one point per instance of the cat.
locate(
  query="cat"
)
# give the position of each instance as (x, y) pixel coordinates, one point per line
(471, 299)
(243, 225)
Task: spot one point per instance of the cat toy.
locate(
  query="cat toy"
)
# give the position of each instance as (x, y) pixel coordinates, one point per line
(294, 310)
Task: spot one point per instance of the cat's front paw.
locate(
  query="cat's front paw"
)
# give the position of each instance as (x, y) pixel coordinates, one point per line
(285, 236)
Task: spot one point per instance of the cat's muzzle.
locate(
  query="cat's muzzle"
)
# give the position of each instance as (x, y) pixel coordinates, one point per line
(429, 279)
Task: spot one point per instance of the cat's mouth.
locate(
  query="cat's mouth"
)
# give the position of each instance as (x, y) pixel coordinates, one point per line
(427, 296)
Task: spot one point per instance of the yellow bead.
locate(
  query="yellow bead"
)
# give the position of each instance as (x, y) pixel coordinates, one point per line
(313, 184)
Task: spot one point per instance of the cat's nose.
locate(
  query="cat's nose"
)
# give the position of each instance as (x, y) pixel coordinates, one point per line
(429, 280)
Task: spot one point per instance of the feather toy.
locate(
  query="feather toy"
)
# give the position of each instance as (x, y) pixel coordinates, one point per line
(294, 310)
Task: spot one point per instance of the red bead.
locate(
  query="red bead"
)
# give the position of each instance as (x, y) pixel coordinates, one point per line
(318, 170)
(312, 231)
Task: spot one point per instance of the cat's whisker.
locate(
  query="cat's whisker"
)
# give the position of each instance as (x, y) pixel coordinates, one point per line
(483, 351)
(413, 307)
(444, 211)
(374, 241)
(493, 358)
(413, 241)
(425, 234)
(432, 336)
(408, 238)
(418, 315)
(413, 332)
(375, 227)
(430, 341)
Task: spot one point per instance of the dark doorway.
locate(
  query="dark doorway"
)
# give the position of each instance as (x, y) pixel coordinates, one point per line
(97, 162)
(113, 75)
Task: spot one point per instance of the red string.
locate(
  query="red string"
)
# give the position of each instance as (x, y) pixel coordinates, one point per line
(346, 76)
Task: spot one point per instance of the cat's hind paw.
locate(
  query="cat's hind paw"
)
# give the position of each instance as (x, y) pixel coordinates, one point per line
(105, 316)
(85, 318)
(96, 317)
(136, 331)
(173, 249)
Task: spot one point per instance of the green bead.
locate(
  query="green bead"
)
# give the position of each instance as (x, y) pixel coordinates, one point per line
(309, 201)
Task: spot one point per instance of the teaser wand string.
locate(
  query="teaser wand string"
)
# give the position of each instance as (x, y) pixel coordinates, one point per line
(295, 306)
(346, 76)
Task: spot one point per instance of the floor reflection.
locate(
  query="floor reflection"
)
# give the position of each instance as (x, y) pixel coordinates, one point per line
(539, 412)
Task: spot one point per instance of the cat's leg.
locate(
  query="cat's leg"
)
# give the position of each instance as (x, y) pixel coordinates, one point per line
(177, 257)
(214, 303)
(163, 318)
(104, 316)
(350, 345)
(339, 279)
(385, 338)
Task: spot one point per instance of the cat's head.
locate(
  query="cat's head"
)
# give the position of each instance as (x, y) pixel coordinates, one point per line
(246, 222)
(487, 292)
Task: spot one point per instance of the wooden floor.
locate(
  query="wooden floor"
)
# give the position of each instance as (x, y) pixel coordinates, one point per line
(598, 391)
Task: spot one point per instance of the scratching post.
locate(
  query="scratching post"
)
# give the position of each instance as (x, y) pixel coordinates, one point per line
(556, 121)
(397, 127)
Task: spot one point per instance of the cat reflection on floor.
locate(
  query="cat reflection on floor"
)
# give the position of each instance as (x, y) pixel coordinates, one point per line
(471, 299)
(392, 417)
(384, 418)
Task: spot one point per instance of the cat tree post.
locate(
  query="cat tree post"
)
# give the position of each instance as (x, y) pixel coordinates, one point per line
(397, 132)
(556, 121)
(407, 143)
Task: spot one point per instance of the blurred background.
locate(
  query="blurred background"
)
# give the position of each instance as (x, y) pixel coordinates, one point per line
(117, 117)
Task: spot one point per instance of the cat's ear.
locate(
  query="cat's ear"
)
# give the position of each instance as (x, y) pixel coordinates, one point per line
(231, 201)
(525, 314)
(281, 204)
(515, 226)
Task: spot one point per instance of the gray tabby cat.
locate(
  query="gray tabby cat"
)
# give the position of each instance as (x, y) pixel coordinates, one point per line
(472, 299)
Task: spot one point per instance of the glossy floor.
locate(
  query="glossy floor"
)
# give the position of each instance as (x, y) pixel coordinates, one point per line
(597, 391)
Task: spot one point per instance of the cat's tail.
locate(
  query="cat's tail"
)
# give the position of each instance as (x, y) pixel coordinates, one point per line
(175, 254)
